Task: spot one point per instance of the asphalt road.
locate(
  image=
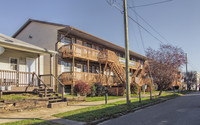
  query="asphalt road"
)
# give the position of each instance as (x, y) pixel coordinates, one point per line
(184, 110)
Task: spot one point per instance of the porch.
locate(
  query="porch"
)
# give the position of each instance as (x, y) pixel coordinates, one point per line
(15, 81)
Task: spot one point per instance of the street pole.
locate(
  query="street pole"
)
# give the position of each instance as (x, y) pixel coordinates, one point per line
(186, 71)
(126, 53)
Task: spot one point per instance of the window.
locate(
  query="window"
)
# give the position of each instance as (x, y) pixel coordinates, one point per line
(13, 63)
(78, 68)
(89, 45)
(79, 42)
(65, 40)
(66, 66)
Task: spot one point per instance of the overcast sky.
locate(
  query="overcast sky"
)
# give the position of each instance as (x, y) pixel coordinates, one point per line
(176, 20)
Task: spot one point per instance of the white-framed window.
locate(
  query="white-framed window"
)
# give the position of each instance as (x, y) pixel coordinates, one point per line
(66, 66)
(78, 68)
(14, 63)
(65, 40)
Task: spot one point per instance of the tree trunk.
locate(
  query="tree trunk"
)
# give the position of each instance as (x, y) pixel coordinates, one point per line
(140, 94)
(160, 92)
(150, 95)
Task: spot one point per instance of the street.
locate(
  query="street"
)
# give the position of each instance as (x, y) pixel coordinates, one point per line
(184, 110)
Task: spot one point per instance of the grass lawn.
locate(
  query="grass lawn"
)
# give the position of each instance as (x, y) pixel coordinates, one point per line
(101, 98)
(101, 111)
(18, 96)
(30, 122)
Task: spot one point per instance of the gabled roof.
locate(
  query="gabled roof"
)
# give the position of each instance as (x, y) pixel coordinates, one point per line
(12, 43)
(82, 34)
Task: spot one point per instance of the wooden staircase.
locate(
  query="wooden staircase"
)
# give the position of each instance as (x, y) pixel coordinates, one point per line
(111, 59)
(140, 76)
(45, 91)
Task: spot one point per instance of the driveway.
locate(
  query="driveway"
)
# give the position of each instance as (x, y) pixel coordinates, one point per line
(183, 110)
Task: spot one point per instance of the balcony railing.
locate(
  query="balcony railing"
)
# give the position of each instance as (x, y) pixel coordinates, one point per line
(72, 77)
(18, 79)
(79, 51)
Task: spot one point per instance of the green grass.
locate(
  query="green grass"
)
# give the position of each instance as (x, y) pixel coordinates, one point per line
(101, 98)
(146, 93)
(18, 96)
(30, 122)
(101, 111)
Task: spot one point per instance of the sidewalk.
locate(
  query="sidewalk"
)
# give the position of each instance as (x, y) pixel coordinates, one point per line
(46, 113)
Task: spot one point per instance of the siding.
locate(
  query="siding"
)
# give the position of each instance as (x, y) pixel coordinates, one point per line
(43, 35)
(4, 59)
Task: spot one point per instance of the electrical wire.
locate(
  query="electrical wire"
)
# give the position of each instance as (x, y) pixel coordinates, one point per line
(141, 37)
(149, 25)
(150, 4)
(138, 24)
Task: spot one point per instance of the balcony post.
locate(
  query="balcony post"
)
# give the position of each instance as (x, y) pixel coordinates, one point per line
(100, 71)
(88, 64)
(73, 72)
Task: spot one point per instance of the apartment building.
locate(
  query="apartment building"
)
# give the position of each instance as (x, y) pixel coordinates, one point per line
(82, 56)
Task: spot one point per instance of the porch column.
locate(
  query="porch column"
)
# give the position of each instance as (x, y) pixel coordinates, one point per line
(51, 71)
(38, 69)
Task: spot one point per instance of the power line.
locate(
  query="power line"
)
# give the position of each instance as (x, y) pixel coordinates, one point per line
(149, 25)
(141, 37)
(150, 4)
(138, 24)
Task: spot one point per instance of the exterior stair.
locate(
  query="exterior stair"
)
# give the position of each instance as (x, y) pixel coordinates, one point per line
(54, 99)
(110, 58)
(2, 105)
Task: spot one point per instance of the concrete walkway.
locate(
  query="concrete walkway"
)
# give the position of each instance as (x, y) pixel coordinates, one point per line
(46, 113)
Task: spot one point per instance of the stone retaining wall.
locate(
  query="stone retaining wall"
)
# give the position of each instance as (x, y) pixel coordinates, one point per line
(23, 104)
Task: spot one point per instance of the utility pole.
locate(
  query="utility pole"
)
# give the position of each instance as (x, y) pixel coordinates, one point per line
(186, 63)
(126, 53)
(186, 70)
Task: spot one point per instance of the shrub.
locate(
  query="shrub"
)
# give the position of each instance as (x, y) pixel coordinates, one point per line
(82, 88)
(93, 91)
(176, 87)
(100, 89)
(134, 89)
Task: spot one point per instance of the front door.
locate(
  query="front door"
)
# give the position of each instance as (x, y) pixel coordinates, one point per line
(30, 67)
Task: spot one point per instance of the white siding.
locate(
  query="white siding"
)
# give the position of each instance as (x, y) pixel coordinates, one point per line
(20, 55)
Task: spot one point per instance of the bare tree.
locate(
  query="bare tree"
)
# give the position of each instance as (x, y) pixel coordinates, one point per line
(164, 64)
(190, 78)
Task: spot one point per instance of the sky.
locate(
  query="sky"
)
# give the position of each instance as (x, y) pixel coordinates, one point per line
(176, 22)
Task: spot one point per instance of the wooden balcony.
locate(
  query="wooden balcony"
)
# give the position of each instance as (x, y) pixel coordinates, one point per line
(79, 51)
(72, 77)
(110, 56)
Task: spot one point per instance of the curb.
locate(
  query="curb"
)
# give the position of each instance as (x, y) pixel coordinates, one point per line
(126, 112)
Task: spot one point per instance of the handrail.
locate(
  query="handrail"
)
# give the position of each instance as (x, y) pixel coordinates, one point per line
(40, 80)
(58, 82)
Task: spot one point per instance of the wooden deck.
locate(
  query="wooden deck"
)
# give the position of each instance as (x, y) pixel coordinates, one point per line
(79, 51)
